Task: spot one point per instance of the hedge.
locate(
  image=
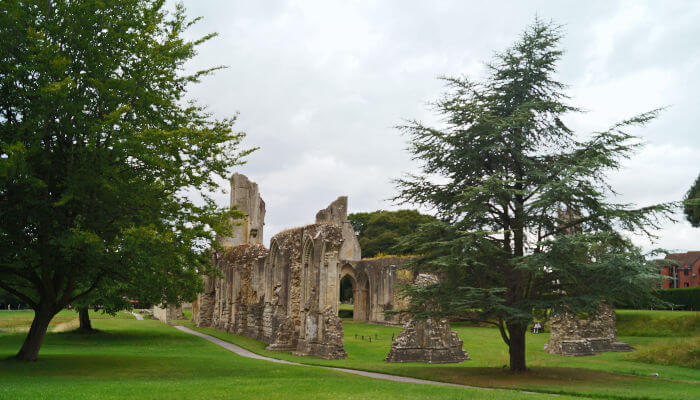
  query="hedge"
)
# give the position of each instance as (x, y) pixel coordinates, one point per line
(683, 298)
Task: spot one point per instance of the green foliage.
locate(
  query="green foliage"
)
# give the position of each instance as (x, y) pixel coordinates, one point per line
(681, 298)
(525, 221)
(7, 298)
(98, 150)
(379, 231)
(692, 204)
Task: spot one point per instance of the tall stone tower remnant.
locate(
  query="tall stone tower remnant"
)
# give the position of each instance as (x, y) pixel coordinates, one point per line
(246, 198)
(288, 295)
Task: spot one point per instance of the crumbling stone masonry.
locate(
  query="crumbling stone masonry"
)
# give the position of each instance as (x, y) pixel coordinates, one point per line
(168, 313)
(429, 340)
(571, 336)
(288, 296)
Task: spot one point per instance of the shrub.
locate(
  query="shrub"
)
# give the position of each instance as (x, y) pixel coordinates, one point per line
(684, 298)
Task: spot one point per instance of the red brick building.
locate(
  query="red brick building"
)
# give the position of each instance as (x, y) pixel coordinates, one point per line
(686, 273)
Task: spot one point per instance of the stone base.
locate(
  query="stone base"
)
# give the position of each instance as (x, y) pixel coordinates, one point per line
(572, 348)
(286, 338)
(320, 350)
(322, 337)
(430, 356)
(620, 346)
(280, 347)
(427, 341)
(586, 347)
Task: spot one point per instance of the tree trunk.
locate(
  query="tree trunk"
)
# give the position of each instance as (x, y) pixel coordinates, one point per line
(84, 317)
(33, 341)
(517, 347)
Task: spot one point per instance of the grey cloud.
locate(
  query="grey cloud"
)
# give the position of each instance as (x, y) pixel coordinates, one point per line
(320, 85)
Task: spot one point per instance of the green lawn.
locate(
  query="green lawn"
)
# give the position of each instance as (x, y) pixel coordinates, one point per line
(608, 375)
(20, 320)
(132, 359)
(658, 323)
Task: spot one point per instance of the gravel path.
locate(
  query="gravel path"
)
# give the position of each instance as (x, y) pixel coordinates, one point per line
(376, 375)
(138, 316)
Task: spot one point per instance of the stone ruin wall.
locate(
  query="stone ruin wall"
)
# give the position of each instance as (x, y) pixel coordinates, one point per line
(573, 336)
(427, 340)
(167, 313)
(379, 279)
(288, 296)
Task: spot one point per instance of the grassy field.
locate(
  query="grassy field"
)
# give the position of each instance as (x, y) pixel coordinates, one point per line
(130, 359)
(20, 320)
(658, 323)
(608, 375)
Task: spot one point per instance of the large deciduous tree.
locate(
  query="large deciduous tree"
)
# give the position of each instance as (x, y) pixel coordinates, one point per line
(692, 204)
(526, 224)
(98, 150)
(379, 231)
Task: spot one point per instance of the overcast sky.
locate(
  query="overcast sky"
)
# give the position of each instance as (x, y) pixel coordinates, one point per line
(319, 86)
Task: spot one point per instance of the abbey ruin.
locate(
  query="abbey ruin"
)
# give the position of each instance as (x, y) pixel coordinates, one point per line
(288, 295)
(574, 336)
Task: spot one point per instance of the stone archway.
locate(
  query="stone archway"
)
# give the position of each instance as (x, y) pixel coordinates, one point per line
(360, 289)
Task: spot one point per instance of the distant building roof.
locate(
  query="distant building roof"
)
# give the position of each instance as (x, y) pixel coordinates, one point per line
(689, 258)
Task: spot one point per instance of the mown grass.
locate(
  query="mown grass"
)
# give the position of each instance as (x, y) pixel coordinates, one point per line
(684, 352)
(655, 323)
(130, 359)
(607, 375)
(21, 320)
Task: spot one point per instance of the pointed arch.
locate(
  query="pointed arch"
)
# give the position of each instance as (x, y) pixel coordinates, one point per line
(360, 287)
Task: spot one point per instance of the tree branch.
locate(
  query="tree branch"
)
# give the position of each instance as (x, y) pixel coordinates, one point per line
(22, 296)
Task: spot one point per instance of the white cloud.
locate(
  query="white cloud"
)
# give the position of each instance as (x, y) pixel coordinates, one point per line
(320, 85)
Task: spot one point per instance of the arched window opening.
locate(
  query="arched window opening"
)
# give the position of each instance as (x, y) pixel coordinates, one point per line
(347, 293)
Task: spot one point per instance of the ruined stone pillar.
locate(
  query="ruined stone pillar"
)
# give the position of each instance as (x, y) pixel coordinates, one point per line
(428, 340)
(573, 336)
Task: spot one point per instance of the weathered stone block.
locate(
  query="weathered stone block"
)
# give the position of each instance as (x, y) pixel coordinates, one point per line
(572, 336)
(428, 341)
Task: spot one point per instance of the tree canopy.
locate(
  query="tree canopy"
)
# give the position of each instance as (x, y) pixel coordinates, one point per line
(692, 204)
(99, 147)
(379, 231)
(526, 221)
